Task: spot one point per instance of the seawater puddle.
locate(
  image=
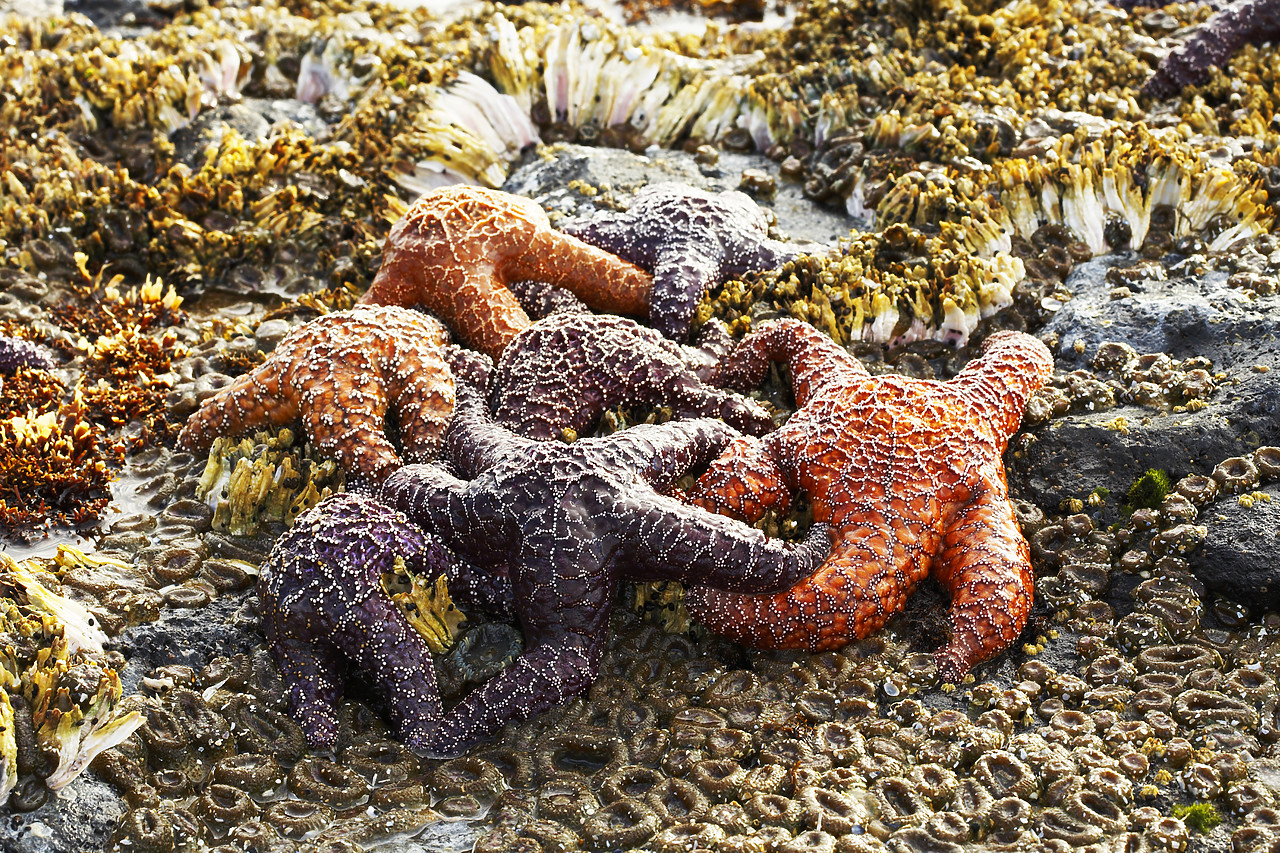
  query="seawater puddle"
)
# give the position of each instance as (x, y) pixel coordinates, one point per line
(125, 500)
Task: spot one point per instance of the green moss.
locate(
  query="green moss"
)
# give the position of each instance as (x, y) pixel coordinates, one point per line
(1202, 817)
(1148, 490)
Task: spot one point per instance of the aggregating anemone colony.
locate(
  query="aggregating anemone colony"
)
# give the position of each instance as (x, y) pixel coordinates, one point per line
(176, 199)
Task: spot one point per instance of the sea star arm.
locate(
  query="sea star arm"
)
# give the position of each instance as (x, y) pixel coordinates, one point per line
(679, 281)
(1229, 29)
(744, 482)
(253, 399)
(663, 453)
(682, 270)
(546, 675)
(815, 361)
(599, 278)
(467, 521)
(18, 352)
(474, 442)
(1012, 367)
(354, 432)
(567, 369)
(322, 600)
(675, 541)
(986, 566)
(868, 577)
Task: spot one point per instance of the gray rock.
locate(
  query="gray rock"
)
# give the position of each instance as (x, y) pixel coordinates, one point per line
(1238, 557)
(1184, 316)
(546, 175)
(228, 625)
(81, 816)
(191, 142)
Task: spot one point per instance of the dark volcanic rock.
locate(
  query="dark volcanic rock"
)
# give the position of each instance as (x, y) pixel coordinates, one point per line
(80, 817)
(1184, 316)
(1238, 557)
(228, 625)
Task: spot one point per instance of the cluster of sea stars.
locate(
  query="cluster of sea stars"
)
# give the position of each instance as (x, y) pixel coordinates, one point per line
(904, 476)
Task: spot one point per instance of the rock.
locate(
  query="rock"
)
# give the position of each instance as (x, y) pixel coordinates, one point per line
(80, 817)
(1185, 316)
(228, 625)
(207, 129)
(1238, 558)
(546, 176)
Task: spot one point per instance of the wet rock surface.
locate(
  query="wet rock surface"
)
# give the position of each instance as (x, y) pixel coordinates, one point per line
(1238, 557)
(1182, 316)
(573, 180)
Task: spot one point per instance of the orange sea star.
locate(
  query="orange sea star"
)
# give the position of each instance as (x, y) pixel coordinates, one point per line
(908, 474)
(339, 374)
(456, 248)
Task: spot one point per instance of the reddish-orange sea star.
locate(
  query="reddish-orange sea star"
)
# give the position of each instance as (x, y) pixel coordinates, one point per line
(456, 248)
(339, 374)
(908, 474)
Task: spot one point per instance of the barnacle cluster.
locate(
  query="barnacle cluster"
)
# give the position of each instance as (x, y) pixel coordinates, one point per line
(1120, 376)
(891, 287)
(59, 702)
(251, 482)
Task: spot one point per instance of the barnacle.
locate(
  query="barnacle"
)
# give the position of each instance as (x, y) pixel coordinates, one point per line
(896, 286)
(426, 605)
(266, 479)
(72, 696)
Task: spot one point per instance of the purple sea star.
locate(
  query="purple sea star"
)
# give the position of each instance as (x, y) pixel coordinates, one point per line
(568, 521)
(1231, 28)
(690, 240)
(17, 352)
(566, 369)
(323, 604)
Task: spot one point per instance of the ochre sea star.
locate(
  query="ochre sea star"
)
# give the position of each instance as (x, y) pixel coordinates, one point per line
(908, 474)
(339, 374)
(568, 521)
(690, 240)
(456, 248)
(323, 604)
(1239, 23)
(566, 369)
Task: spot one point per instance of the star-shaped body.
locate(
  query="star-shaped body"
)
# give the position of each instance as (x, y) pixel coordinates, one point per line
(568, 521)
(908, 474)
(1237, 24)
(690, 240)
(568, 368)
(456, 249)
(339, 374)
(323, 605)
